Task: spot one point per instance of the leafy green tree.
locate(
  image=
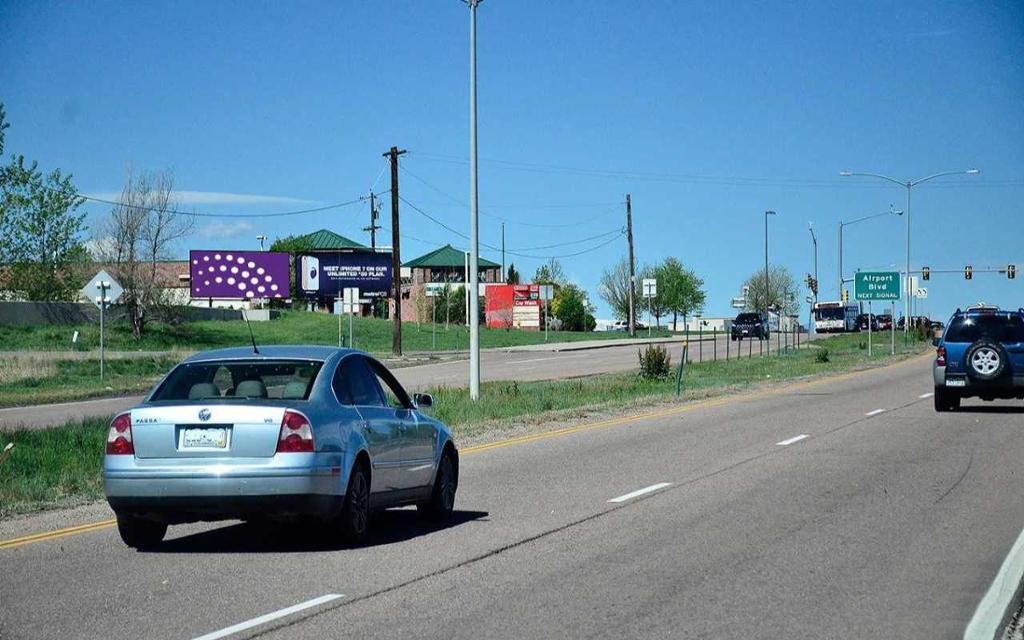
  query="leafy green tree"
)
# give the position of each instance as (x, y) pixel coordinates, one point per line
(656, 306)
(41, 229)
(550, 273)
(782, 290)
(513, 275)
(682, 288)
(291, 244)
(571, 307)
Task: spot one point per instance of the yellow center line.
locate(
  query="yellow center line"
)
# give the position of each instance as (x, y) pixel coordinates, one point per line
(590, 426)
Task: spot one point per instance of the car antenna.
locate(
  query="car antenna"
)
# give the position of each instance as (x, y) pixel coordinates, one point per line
(255, 349)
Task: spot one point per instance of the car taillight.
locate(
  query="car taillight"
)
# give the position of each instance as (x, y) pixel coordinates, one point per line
(296, 434)
(940, 356)
(119, 436)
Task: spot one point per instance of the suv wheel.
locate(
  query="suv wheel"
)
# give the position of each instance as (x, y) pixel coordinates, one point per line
(946, 400)
(985, 360)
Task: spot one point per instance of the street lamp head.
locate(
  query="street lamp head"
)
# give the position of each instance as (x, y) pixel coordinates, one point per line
(973, 172)
(769, 213)
(846, 174)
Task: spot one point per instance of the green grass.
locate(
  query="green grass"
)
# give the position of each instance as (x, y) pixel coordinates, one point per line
(61, 466)
(293, 327)
(34, 379)
(52, 468)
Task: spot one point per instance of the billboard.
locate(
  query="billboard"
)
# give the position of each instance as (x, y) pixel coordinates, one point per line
(326, 274)
(239, 274)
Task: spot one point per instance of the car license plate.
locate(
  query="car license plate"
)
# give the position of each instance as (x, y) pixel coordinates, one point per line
(956, 382)
(204, 438)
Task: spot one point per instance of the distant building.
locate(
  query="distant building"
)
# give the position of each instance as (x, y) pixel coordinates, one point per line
(435, 270)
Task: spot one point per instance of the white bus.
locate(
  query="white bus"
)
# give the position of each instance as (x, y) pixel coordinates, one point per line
(836, 317)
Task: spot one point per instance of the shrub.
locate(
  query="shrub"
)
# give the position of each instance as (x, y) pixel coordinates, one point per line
(862, 345)
(655, 362)
(821, 355)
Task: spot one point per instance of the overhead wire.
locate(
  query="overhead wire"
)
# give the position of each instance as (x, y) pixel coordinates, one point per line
(198, 214)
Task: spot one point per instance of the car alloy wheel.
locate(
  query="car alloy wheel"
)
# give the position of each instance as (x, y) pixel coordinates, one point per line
(356, 513)
(985, 361)
(446, 484)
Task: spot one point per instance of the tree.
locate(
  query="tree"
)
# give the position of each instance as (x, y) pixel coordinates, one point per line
(550, 273)
(41, 229)
(614, 289)
(513, 275)
(656, 306)
(684, 293)
(782, 290)
(573, 310)
(291, 244)
(143, 229)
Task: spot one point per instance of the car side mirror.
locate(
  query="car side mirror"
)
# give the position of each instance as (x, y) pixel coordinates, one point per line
(935, 341)
(423, 400)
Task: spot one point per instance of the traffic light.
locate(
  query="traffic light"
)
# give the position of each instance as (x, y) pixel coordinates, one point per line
(814, 286)
(968, 272)
(846, 295)
(1011, 271)
(926, 273)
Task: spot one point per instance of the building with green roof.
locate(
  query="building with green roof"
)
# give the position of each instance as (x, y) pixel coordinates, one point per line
(441, 267)
(326, 240)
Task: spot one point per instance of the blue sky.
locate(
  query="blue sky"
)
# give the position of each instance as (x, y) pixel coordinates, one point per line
(707, 113)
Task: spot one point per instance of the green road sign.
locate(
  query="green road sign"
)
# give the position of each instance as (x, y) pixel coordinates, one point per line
(877, 285)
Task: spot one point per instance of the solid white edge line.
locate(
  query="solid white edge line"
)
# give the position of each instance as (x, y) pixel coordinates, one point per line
(875, 412)
(640, 492)
(992, 607)
(280, 613)
(790, 441)
(926, 395)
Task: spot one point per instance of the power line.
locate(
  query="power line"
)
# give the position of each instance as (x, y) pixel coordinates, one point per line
(197, 214)
(616, 232)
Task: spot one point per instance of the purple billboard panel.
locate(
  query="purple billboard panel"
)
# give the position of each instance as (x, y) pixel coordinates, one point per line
(239, 274)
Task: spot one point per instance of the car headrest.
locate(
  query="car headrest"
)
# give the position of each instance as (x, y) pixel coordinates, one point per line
(251, 389)
(203, 390)
(294, 391)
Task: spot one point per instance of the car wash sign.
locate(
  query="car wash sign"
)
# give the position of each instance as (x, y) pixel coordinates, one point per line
(327, 274)
(877, 285)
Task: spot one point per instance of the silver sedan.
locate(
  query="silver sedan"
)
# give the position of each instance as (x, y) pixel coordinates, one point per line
(282, 432)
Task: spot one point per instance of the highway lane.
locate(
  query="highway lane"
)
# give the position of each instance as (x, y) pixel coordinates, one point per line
(495, 365)
(882, 525)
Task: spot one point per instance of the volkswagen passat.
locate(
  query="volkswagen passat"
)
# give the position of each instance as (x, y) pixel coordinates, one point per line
(282, 432)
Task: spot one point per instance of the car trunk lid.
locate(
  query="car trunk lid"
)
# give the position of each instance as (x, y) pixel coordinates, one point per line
(216, 430)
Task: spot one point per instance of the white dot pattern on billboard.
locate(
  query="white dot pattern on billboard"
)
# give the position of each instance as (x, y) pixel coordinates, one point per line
(239, 272)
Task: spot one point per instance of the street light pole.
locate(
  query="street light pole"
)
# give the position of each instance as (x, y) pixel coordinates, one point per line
(908, 185)
(890, 212)
(766, 288)
(474, 297)
(814, 239)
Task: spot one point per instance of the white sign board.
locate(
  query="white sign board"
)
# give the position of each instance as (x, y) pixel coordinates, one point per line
(738, 303)
(921, 292)
(547, 292)
(93, 289)
(650, 287)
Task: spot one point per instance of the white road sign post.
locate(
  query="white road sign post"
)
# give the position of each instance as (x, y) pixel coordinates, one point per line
(351, 302)
(431, 292)
(650, 290)
(547, 292)
(109, 292)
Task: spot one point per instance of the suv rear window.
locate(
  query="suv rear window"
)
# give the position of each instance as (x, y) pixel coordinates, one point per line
(748, 317)
(1001, 328)
(251, 379)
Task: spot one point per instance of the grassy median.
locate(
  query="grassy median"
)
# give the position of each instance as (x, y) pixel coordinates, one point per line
(61, 466)
(293, 327)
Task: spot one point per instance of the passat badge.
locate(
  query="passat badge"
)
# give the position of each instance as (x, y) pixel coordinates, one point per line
(204, 414)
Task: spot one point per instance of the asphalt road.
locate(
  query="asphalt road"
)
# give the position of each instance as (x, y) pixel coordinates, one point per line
(887, 521)
(495, 365)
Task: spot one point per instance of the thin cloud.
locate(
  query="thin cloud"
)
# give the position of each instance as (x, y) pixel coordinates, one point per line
(934, 33)
(211, 197)
(225, 229)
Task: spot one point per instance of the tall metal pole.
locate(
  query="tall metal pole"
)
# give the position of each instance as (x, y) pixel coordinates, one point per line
(504, 274)
(766, 287)
(840, 260)
(103, 285)
(906, 312)
(474, 299)
(632, 274)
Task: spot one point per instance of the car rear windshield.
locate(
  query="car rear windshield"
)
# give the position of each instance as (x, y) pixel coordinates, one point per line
(1001, 328)
(748, 317)
(231, 379)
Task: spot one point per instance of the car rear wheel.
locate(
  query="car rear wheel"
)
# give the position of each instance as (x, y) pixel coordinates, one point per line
(985, 360)
(354, 518)
(139, 533)
(446, 483)
(946, 400)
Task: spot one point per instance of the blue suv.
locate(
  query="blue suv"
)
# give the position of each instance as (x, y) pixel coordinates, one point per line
(980, 354)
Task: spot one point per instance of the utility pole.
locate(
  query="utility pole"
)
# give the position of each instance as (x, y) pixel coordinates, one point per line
(474, 261)
(396, 259)
(632, 275)
(767, 293)
(503, 274)
(374, 215)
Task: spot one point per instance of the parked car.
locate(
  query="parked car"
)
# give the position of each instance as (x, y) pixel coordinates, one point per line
(278, 432)
(864, 318)
(980, 354)
(750, 325)
(623, 325)
(885, 322)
